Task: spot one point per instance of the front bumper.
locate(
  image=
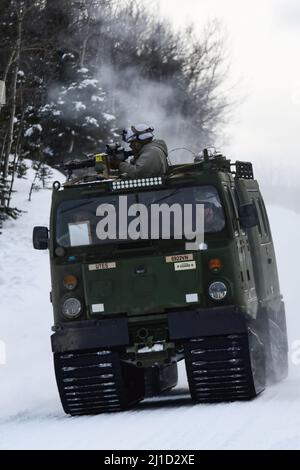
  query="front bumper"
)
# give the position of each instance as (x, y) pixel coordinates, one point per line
(91, 335)
(206, 322)
(182, 325)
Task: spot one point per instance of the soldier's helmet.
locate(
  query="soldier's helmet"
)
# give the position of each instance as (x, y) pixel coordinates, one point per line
(140, 132)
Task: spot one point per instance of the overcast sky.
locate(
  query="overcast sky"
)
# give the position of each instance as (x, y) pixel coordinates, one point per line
(264, 46)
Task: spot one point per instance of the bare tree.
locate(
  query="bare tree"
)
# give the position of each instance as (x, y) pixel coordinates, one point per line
(19, 9)
(143, 66)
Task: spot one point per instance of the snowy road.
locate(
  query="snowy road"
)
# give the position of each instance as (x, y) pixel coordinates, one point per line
(31, 416)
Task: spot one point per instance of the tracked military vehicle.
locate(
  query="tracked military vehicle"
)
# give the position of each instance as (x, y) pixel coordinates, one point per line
(127, 311)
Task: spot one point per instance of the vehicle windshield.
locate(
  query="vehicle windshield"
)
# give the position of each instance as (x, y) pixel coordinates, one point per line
(125, 217)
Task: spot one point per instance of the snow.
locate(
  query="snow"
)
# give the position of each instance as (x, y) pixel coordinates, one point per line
(79, 106)
(96, 98)
(88, 82)
(51, 108)
(155, 348)
(48, 151)
(30, 131)
(68, 56)
(109, 117)
(46, 108)
(31, 413)
(70, 88)
(91, 120)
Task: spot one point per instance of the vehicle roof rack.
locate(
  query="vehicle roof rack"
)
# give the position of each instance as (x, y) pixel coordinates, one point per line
(244, 170)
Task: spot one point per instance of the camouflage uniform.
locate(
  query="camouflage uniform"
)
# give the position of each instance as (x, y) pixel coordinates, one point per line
(151, 161)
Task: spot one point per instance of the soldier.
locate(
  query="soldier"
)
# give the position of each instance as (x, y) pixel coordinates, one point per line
(213, 217)
(150, 155)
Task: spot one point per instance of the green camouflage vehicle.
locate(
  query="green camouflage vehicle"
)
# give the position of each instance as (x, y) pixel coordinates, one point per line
(127, 311)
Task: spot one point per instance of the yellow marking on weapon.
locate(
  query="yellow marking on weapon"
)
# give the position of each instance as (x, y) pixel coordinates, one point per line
(99, 158)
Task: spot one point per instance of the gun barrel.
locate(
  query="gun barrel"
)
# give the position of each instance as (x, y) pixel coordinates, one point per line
(93, 161)
(79, 165)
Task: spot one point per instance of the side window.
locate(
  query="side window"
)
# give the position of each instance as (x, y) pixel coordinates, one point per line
(263, 223)
(237, 197)
(233, 209)
(233, 202)
(264, 217)
(254, 201)
(260, 218)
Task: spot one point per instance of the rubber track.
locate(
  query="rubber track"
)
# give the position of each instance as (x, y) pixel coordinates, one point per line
(92, 382)
(219, 369)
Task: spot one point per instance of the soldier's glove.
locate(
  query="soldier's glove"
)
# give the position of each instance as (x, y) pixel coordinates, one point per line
(117, 151)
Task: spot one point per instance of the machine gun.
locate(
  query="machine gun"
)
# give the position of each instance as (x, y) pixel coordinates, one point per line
(100, 162)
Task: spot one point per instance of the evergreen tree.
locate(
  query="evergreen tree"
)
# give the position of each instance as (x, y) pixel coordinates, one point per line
(77, 120)
(76, 70)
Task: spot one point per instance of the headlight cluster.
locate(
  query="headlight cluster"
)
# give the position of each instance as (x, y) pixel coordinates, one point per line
(70, 282)
(71, 308)
(218, 290)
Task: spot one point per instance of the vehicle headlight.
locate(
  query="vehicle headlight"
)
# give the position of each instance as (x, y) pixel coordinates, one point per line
(217, 290)
(71, 308)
